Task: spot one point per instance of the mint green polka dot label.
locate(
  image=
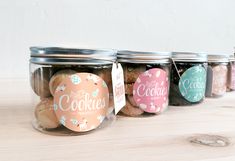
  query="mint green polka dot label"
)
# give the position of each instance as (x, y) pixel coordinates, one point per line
(192, 84)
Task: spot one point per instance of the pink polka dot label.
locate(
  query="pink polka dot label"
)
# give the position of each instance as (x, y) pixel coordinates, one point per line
(150, 90)
(81, 102)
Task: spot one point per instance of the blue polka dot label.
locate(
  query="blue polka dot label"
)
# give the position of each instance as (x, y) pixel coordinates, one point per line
(192, 84)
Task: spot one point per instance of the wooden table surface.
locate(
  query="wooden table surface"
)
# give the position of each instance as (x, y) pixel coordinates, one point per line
(204, 132)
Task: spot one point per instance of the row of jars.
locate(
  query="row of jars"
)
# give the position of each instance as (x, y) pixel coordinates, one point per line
(73, 90)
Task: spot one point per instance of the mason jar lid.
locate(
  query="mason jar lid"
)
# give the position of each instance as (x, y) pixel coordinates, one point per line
(127, 56)
(70, 56)
(218, 58)
(189, 57)
(231, 58)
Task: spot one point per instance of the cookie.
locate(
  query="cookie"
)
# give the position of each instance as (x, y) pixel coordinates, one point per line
(111, 102)
(58, 77)
(130, 110)
(111, 106)
(40, 82)
(105, 74)
(129, 88)
(132, 73)
(131, 100)
(45, 114)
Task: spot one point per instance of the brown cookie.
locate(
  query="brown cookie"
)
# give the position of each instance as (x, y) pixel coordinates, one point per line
(129, 88)
(130, 110)
(111, 106)
(58, 77)
(45, 114)
(111, 102)
(132, 73)
(40, 82)
(105, 74)
(130, 98)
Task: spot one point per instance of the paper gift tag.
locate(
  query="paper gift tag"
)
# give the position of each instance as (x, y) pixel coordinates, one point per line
(118, 87)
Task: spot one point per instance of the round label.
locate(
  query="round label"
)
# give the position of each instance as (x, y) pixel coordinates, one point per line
(192, 84)
(219, 84)
(150, 90)
(81, 102)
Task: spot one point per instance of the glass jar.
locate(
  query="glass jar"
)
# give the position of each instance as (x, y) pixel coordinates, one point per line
(188, 80)
(231, 74)
(217, 73)
(146, 79)
(72, 89)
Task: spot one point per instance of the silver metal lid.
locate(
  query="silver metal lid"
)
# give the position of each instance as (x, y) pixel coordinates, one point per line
(218, 58)
(189, 57)
(231, 58)
(143, 57)
(60, 56)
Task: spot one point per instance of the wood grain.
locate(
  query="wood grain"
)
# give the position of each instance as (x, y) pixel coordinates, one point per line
(204, 132)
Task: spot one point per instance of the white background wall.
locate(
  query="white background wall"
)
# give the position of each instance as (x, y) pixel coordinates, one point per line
(159, 25)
